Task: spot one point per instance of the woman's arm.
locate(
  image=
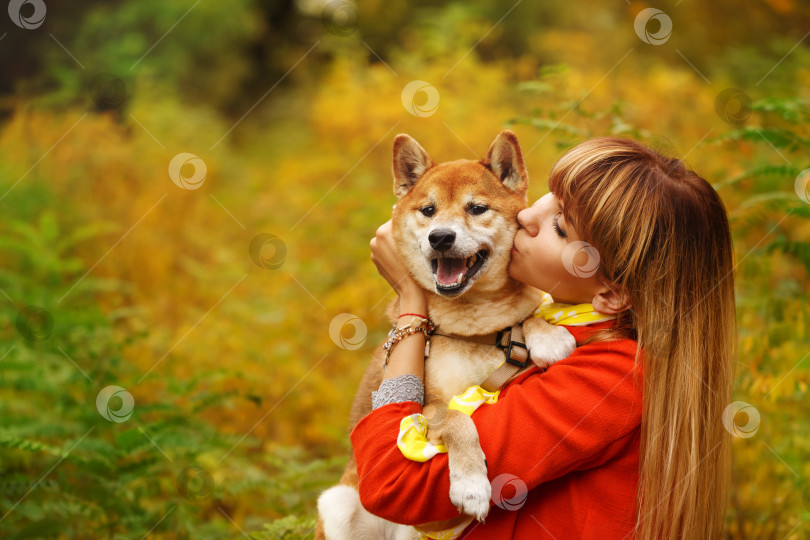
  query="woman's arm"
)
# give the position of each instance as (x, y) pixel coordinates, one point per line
(408, 356)
(580, 413)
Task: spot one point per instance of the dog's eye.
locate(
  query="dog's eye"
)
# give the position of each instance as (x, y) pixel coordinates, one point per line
(477, 209)
(428, 210)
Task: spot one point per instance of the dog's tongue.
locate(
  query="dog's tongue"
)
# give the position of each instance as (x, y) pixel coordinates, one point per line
(449, 269)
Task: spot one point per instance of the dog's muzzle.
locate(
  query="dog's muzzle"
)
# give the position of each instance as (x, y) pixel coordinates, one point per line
(452, 274)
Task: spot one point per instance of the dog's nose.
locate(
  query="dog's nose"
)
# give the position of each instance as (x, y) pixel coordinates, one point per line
(442, 239)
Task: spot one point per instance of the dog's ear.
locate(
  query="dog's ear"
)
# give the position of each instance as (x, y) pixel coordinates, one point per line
(505, 160)
(410, 163)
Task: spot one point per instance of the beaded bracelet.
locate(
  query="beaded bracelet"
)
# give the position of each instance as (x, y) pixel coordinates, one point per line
(417, 324)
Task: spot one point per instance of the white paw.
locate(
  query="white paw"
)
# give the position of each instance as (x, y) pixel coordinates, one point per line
(550, 346)
(470, 493)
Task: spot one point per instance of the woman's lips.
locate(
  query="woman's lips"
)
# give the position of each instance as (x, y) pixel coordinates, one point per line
(514, 242)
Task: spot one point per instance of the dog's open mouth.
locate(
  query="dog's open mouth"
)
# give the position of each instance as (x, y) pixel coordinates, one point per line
(452, 273)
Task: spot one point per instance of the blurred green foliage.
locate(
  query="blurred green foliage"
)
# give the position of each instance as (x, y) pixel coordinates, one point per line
(241, 396)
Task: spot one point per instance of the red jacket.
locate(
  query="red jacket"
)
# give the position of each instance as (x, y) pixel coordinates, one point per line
(570, 433)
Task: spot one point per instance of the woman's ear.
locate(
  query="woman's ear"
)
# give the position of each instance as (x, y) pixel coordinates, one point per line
(610, 298)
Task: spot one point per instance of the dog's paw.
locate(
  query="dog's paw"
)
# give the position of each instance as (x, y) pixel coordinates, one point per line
(470, 493)
(547, 343)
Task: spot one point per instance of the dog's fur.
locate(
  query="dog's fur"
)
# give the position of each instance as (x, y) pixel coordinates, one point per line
(474, 210)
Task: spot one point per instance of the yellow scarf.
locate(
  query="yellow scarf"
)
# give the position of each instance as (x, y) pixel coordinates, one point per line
(569, 314)
(412, 439)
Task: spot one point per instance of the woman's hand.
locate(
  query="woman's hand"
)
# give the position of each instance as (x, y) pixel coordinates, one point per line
(409, 355)
(385, 257)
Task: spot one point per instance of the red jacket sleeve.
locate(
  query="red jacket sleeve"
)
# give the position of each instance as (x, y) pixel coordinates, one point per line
(578, 414)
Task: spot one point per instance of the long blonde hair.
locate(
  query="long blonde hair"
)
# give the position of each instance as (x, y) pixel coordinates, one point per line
(662, 235)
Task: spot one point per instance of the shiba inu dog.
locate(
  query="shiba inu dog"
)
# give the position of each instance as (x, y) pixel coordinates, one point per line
(453, 225)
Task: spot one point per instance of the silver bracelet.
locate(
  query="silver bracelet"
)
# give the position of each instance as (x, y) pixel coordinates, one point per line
(417, 324)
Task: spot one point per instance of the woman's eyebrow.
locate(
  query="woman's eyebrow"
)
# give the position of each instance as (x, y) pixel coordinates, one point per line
(568, 218)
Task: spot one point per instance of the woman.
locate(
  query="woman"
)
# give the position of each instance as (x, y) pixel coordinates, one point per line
(596, 459)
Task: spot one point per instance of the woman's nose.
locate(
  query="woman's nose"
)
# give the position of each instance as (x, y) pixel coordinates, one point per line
(528, 221)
